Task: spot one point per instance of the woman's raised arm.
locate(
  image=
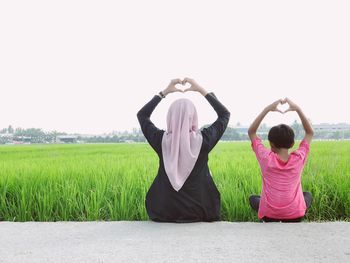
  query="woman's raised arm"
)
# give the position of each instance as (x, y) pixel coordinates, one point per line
(215, 131)
(150, 131)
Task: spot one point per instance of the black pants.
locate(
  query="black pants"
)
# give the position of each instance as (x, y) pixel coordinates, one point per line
(254, 201)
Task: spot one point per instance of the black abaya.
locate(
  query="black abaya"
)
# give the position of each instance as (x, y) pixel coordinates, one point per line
(198, 199)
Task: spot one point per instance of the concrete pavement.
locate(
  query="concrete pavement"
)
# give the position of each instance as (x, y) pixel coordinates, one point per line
(161, 242)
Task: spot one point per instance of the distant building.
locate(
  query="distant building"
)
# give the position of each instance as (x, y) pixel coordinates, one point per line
(66, 139)
(326, 127)
(241, 129)
(6, 135)
(22, 140)
(263, 129)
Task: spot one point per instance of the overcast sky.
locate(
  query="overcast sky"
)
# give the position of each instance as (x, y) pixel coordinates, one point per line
(88, 66)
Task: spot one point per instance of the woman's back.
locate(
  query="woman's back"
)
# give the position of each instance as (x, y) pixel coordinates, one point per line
(197, 198)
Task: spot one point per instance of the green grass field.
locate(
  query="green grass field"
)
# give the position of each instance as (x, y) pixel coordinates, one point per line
(109, 182)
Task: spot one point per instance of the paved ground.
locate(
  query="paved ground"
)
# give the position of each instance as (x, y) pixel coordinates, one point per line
(159, 242)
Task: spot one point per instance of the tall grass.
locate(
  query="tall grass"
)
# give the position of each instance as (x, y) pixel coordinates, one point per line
(109, 182)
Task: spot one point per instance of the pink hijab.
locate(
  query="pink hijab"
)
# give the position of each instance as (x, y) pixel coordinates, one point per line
(181, 142)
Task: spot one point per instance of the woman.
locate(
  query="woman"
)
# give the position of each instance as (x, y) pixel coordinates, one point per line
(183, 190)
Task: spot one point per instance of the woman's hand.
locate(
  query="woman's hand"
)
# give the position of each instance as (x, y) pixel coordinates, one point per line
(171, 87)
(194, 86)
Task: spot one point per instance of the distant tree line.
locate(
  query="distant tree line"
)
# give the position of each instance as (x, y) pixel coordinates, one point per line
(114, 138)
(32, 135)
(36, 135)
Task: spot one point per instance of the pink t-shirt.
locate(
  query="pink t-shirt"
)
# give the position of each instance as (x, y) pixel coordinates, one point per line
(281, 196)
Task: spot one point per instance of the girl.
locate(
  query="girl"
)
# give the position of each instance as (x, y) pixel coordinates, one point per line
(282, 198)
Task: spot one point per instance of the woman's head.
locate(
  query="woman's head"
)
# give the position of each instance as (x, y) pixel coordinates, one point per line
(182, 114)
(181, 143)
(281, 136)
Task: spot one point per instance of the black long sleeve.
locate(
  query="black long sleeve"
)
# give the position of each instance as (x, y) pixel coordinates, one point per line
(150, 131)
(213, 133)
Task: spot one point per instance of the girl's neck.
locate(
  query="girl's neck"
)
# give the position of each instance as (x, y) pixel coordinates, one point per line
(282, 153)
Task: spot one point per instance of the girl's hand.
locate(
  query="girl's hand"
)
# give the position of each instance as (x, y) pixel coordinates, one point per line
(194, 86)
(273, 106)
(171, 87)
(292, 105)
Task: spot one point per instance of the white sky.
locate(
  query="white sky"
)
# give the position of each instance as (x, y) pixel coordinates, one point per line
(88, 66)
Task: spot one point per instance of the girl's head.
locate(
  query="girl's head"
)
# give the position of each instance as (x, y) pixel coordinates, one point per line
(281, 136)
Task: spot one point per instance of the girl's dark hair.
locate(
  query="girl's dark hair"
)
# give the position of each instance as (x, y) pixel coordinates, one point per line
(282, 136)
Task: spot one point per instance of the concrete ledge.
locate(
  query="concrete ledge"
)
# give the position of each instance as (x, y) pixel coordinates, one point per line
(161, 242)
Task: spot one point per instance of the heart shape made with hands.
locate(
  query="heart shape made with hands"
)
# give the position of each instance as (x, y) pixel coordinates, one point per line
(183, 85)
(283, 107)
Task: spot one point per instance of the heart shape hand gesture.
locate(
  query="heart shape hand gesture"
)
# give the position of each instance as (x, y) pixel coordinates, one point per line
(276, 106)
(178, 85)
(172, 87)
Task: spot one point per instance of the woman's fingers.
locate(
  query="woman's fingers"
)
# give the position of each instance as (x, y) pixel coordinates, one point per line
(191, 81)
(172, 86)
(176, 81)
(177, 90)
(189, 89)
(280, 101)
